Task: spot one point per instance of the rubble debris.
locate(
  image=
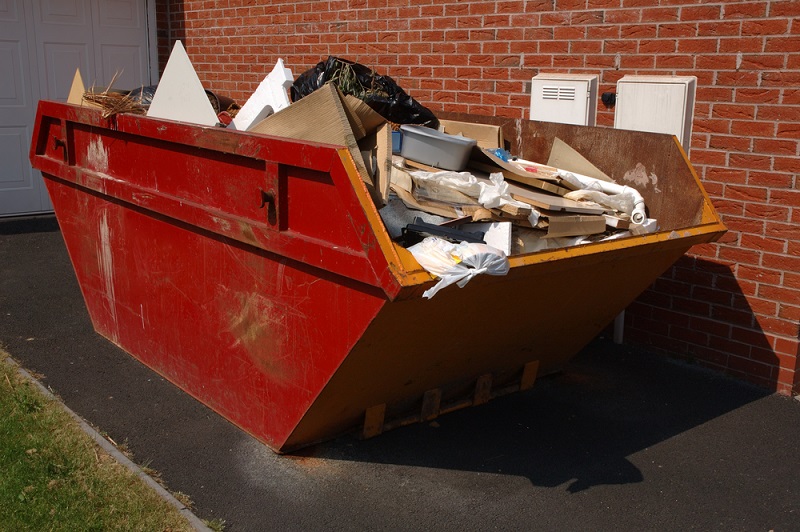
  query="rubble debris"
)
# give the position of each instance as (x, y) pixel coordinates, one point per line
(396, 216)
(495, 234)
(415, 232)
(555, 209)
(547, 179)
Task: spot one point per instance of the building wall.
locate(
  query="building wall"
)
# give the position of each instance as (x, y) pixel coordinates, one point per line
(733, 305)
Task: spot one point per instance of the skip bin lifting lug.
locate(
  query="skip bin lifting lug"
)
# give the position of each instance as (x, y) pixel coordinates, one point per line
(60, 143)
(268, 199)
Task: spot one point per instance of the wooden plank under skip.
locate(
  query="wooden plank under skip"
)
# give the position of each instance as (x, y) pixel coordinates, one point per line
(373, 420)
(529, 373)
(431, 404)
(483, 389)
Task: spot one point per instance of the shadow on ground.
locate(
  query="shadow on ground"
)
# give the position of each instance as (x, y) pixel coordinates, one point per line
(576, 427)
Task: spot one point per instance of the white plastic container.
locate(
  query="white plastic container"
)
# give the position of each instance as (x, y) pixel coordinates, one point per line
(434, 148)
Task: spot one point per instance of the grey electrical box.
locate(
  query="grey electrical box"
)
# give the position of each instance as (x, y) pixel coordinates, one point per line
(659, 104)
(564, 98)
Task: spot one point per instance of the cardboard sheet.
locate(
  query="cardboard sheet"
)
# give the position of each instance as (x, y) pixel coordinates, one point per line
(488, 136)
(319, 117)
(76, 92)
(573, 224)
(563, 156)
(376, 148)
(366, 119)
(550, 202)
(488, 162)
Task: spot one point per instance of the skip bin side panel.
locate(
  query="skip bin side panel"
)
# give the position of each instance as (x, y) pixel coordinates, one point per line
(543, 312)
(253, 335)
(294, 198)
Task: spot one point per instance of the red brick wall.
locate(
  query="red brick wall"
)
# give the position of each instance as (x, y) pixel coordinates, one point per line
(733, 305)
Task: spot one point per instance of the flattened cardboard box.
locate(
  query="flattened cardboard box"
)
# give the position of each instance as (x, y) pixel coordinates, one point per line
(488, 136)
(319, 117)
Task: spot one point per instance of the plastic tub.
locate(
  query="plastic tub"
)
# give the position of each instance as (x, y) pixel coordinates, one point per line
(434, 148)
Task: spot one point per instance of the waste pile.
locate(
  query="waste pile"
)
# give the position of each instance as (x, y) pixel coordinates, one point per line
(448, 191)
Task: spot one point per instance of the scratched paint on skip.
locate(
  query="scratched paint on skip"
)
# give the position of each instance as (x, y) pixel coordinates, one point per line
(639, 177)
(97, 156)
(106, 269)
(260, 327)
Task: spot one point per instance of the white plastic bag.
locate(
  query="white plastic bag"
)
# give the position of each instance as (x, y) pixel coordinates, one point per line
(457, 263)
(622, 202)
(491, 193)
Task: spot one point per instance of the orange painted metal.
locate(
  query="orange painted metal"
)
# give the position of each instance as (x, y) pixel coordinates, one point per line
(255, 273)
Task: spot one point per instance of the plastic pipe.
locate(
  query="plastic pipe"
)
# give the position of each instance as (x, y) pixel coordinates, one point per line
(638, 215)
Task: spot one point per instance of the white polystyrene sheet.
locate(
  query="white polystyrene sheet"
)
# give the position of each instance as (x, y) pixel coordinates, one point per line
(270, 97)
(180, 94)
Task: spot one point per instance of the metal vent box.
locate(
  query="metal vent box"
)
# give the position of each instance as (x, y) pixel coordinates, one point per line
(658, 104)
(564, 98)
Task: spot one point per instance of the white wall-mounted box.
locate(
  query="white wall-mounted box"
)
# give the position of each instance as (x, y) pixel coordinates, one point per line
(564, 98)
(659, 104)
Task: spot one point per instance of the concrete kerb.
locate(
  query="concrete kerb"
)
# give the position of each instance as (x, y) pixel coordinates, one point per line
(108, 447)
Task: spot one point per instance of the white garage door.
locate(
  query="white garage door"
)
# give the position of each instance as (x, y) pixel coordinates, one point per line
(42, 42)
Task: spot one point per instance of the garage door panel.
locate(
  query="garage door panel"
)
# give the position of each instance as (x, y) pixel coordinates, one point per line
(19, 191)
(12, 84)
(42, 43)
(13, 141)
(10, 11)
(119, 14)
(61, 12)
(119, 27)
(61, 61)
(127, 61)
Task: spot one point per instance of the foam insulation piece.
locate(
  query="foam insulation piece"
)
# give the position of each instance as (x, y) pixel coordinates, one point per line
(180, 95)
(270, 97)
(495, 234)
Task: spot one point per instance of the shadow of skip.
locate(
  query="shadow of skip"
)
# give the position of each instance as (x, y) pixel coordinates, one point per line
(576, 428)
(700, 312)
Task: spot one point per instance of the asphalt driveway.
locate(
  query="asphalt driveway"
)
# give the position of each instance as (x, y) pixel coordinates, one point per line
(621, 440)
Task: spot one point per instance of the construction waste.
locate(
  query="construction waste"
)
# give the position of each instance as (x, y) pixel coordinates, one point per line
(448, 191)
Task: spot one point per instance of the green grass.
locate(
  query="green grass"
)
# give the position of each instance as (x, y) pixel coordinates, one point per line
(54, 477)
